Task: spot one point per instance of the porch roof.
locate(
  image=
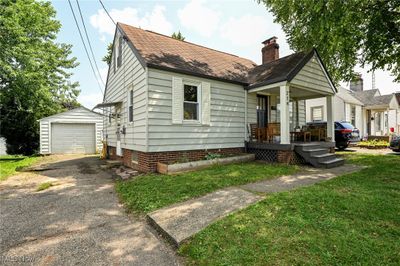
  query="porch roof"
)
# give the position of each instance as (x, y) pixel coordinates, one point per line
(284, 69)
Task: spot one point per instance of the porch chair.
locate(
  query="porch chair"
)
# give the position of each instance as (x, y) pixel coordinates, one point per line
(257, 133)
(274, 129)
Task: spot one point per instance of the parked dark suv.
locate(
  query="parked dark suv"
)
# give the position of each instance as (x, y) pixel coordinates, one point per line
(345, 133)
(395, 144)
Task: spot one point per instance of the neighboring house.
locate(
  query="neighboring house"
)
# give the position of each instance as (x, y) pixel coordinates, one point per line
(75, 131)
(381, 112)
(168, 100)
(347, 108)
(372, 113)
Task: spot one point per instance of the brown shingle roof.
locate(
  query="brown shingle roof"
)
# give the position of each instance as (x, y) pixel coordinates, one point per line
(278, 70)
(158, 50)
(163, 52)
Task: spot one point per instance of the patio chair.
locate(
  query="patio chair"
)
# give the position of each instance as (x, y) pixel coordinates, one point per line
(274, 129)
(257, 133)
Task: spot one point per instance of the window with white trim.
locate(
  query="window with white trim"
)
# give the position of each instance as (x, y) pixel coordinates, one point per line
(118, 53)
(317, 113)
(353, 115)
(130, 106)
(190, 102)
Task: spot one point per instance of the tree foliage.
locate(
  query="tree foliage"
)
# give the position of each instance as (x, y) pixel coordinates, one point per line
(178, 35)
(107, 57)
(34, 77)
(345, 33)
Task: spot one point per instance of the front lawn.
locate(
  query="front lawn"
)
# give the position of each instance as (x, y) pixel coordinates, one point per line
(154, 191)
(350, 220)
(10, 163)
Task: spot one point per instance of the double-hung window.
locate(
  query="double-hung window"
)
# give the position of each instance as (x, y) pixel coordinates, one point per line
(190, 102)
(130, 106)
(118, 53)
(317, 113)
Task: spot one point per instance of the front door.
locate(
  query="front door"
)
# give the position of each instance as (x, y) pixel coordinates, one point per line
(262, 111)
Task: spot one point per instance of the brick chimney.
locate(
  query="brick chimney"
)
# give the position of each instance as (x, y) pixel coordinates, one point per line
(270, 51)
(357, 83)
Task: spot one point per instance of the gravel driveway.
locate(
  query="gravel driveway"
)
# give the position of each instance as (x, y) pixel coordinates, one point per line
(76, 221)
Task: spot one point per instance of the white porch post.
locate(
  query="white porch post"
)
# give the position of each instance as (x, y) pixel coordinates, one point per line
(387, 121)
(284, 102)
(330, 121)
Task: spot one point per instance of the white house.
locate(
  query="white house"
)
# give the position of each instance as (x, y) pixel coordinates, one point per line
(347, 108)
(168, 100)
(369, 111)
(75, 131)
(380, 112)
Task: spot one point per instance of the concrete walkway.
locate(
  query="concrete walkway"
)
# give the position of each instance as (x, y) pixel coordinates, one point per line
(181, 221)
(305, 178)
(78, 221)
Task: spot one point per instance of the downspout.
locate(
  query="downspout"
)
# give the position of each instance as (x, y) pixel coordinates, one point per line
(245, 117)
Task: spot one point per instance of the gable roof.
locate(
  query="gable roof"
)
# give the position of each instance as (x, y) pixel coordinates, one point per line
(160, 51)
(348, 96)
(277, 70)
(373, 98)
(381, 100)
(163, 52)
(83, 108)
(365, 96)
(398, 97)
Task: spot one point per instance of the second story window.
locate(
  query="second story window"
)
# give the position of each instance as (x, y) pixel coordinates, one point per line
(130, 106)
(118, 52)
(190, 103)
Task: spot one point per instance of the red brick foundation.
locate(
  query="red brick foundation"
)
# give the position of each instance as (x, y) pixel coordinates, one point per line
(147, 161)
(285, 156)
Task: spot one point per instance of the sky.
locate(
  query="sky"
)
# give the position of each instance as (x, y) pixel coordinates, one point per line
(236, 27)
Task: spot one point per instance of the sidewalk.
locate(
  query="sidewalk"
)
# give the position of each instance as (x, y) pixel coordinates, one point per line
(181, 221)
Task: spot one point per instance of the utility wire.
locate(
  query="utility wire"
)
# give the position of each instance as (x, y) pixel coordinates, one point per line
(84, 45)
(107, 12)
(90, 46)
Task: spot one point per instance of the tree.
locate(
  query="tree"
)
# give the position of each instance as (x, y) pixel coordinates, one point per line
(345, 33)
(178, 35)
(107, 57)
(34, 77)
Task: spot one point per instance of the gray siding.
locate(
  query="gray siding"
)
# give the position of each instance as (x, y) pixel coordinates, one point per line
(312, 76)
(227, 128)
(78, 115)
(130, 74)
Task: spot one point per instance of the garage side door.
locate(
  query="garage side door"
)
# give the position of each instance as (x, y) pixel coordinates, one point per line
(73, 138)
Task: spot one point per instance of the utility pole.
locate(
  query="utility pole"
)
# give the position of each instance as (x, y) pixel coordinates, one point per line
(373, 79)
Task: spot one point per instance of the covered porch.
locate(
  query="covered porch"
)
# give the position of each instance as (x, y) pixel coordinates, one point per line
(281, 115)
(279, 131)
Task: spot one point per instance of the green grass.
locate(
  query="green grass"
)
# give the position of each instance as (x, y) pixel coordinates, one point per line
(44, 186)
(350, 220)
(151, 192)
(9, 164)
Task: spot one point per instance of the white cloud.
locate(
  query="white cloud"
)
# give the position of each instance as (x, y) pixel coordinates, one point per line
(198, 17)
(154, 20)
(246, 30)
(89, 100)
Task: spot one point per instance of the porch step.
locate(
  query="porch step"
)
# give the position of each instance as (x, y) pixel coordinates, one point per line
(318, 156)
(333, 163)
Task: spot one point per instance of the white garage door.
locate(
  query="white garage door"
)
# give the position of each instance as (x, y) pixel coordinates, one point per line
(73, 138)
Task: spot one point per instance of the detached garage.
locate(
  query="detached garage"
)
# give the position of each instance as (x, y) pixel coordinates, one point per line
(74, 131)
